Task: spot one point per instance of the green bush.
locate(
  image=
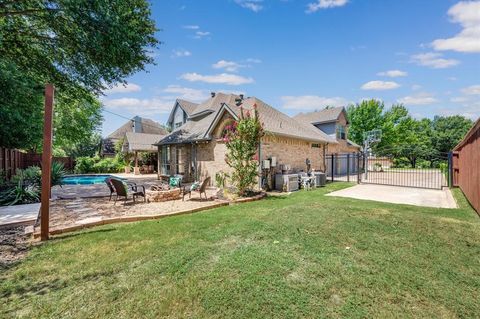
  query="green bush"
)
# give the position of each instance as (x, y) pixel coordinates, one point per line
(84, 165)
(401, 162)
(421, 163)
(108, 165)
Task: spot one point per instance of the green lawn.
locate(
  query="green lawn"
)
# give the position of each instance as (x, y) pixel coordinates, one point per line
(304, 255)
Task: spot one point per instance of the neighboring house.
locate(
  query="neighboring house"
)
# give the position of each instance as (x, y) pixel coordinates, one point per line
(195, 148)
(334, 122)
(137, 125)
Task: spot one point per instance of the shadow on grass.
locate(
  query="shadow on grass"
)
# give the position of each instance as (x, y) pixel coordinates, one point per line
(82, 232)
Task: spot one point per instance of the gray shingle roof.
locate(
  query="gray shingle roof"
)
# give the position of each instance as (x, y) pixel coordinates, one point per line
(323, 116)
(274, 121)
(214, 104)
(187, 106)
(148, 126)
(142, 142)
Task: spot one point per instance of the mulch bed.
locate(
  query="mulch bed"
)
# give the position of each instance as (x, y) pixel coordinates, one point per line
(14, 245)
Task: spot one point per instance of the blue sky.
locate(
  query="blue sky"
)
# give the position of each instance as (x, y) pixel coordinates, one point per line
(301, 55)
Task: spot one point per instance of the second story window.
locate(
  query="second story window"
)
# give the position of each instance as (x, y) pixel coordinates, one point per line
(341, 132)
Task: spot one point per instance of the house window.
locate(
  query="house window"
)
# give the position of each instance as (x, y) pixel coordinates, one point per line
(341, 134)
(165, 169)
(180, 167)
(315, 145)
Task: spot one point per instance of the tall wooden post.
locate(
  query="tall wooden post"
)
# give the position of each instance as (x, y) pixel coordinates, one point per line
(47, 162)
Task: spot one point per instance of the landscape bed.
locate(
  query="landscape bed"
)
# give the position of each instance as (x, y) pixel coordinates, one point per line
(301, 255)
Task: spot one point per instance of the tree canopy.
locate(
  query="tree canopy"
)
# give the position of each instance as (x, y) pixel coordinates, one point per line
(82, 47)
(91, 44)
(403, 136)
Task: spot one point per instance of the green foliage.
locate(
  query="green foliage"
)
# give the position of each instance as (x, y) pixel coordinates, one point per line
(20, 193)
(58, 173)
(108, 165)
(85, 165)
(30, 175)
(91, 44)
(242, 139)
(364, 117)
(221, 179)
(20, 108)
(448, 131)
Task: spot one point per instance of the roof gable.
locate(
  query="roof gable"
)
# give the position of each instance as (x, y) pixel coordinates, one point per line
(323, 116)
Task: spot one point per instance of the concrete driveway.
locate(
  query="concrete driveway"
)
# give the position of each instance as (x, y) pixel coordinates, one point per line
(400, 195)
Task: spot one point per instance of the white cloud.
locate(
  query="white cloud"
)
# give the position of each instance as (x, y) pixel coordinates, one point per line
(181, 53)
(229, 66)
(472, 90)
(470, 110)
(201, 34)
(324, 4)
(416, 87)
(459, 99)
(311, 102)
(189, 94)
(433, 60)
(223, 78)
(140, 106)
(418, 99)
(393, 73)
(124, 88)
(467, 14)
(253, 5)
(191, 27)
(380, 85)
(252, 60)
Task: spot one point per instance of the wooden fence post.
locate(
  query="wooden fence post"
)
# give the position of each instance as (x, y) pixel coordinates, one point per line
(47, 162)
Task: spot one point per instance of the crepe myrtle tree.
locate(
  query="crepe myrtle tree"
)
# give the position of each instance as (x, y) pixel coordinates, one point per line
(242, 138)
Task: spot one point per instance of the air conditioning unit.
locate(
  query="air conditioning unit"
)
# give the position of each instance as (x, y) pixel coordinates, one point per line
(290, 180)
(320, 179)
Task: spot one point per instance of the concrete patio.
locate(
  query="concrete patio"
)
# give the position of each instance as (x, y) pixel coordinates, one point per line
(400, 195)
(19, 214)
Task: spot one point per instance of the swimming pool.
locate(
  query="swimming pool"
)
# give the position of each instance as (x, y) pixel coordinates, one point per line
(85, 179)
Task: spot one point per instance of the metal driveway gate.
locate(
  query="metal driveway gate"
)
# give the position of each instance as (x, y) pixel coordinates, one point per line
(384, 171)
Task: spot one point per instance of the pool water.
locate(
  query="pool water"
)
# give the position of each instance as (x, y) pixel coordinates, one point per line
(85, 179)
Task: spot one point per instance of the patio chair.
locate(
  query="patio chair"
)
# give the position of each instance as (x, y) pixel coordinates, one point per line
(108, 181)
(124, 190)
(201, 189)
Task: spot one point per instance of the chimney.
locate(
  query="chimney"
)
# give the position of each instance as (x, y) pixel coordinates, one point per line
(212, 94)
(137, 124)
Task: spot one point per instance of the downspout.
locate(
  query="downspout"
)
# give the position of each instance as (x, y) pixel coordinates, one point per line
(158, 162)
(260, 164)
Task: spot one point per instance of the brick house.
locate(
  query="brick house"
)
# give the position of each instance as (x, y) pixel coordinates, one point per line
(195, 147)
(334, 123)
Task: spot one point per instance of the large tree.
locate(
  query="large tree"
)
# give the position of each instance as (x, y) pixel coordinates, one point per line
(71, 43)
(448, 132)
(364, 117)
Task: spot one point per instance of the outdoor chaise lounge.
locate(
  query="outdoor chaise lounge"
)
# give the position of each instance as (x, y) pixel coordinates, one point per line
(124, 190)
(201, 189)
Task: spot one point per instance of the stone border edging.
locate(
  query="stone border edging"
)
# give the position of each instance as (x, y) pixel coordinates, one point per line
(129, 219)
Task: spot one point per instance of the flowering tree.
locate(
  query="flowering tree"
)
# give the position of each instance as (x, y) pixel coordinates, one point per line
(242, 138)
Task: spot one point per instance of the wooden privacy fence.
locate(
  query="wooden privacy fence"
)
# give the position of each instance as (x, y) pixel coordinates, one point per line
(466, 166)
(12, 159)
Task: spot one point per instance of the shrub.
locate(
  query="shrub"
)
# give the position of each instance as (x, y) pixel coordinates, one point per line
(421, 163)
(108, 165)
(242, 139)
(401, 162)
(84, 165)
(220, 179)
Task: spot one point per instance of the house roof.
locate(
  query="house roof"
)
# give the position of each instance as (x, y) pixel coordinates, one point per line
(323, 116)
(148, 126)
(141, 142)
(187, 106)
(274, 122)
(213, 104)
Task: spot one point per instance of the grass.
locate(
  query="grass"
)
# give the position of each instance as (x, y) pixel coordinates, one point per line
(303, 255)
